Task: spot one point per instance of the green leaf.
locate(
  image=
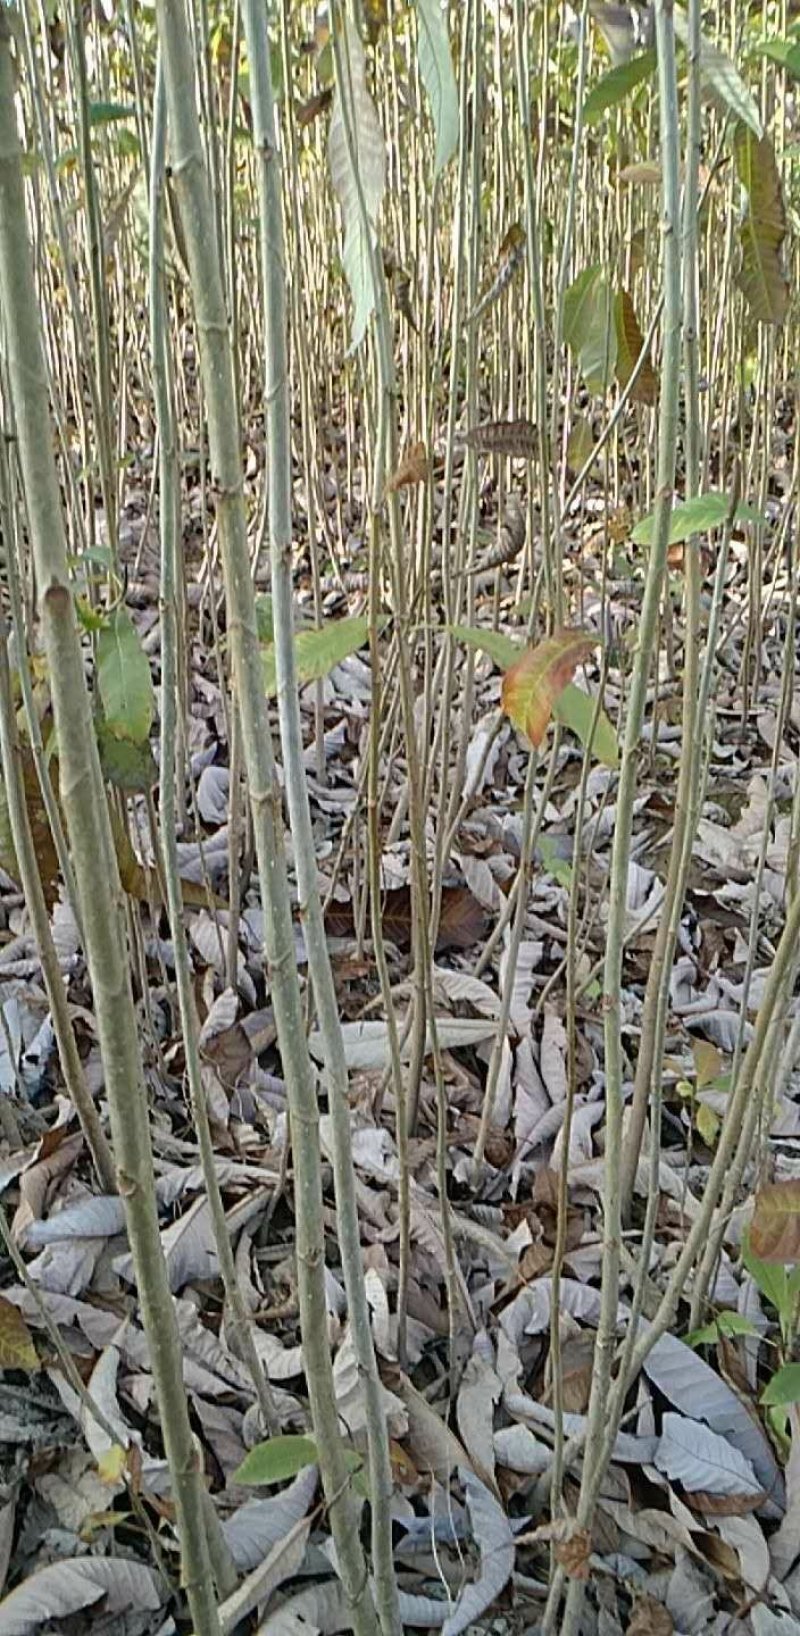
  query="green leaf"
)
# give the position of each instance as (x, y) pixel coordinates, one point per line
(771, 1279)
(761, 276)
(575, 710)
(317, 652)
(589, 327)
(105, 113)
(618, 84)
(360, 236)
(500, 648)
(697, 516)
(553, 862)
(438, 78)
(127, 764)
(784, 1387)
(721, 78)
(123, 679)
(784, 52)
(276, 1460)
(725, 1324)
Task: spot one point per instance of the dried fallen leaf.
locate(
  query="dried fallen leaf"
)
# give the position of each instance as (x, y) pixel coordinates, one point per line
(532, 685)
(775, 1228)
(650, 1618)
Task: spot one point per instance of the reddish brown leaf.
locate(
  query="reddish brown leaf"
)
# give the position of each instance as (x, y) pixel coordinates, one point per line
(413, 468)
(775, 1228)
(532, 685)
(513, 437)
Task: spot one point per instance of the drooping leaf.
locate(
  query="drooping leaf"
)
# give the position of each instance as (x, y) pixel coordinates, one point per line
(276, 1459)
(589, 327)
(575, 710)
(438, 77)
(414, 467)
(617, 84)
(721, 78)
(369, 170)
(630, 342)
(532, 685)
(123, 679)
(783, 1388)
(761, 276)
(17, 1350)
(696, 516)
(775, 1227)
(318, 651)
(516, 438)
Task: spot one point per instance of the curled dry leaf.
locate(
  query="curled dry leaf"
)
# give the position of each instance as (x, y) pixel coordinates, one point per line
(532, 685)
(630, 344)
(413, 468)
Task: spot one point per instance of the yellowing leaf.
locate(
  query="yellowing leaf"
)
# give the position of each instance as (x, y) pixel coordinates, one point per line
(707, 1063)
(532, 685)
(708, 1123)
(112, 1464)
(775, 1228)
(17, 1350)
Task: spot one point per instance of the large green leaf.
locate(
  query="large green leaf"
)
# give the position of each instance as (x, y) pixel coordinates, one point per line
(616, 85)
(784, 52)
(127, 763)
(721, 78)
(316, 652)
(367, 167)
(438, 78)
(761, 277)
(123, 679)
(575, 710)
(697, 516)
(589, 327)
